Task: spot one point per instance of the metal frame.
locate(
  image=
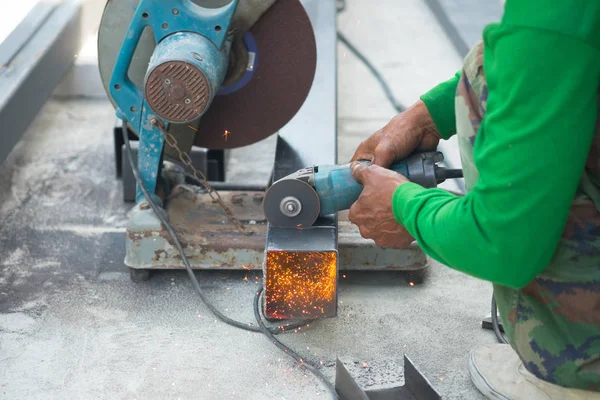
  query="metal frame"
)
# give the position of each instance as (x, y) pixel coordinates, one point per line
(36, 56)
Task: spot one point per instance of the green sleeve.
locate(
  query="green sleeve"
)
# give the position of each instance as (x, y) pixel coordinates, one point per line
(530, 153)
(440, 104)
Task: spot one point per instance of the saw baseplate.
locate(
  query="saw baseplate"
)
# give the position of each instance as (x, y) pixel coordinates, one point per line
(212, 242)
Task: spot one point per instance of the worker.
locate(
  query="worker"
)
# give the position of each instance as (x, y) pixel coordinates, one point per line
(524, 108)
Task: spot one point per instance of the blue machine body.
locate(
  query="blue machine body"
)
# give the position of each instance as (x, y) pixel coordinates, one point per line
(338, 190)
(183, 31)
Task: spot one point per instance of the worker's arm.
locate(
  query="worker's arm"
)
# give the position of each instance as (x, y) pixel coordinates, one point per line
(530, 150)
(440, 104)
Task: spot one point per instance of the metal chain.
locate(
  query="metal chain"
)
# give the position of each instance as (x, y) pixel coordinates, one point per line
(187, 161)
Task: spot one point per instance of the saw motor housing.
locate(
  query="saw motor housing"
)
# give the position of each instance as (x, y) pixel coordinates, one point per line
(186, 70)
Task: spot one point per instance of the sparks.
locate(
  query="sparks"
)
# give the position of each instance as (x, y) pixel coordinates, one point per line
(343, 276)
(192, 128)
(411, 284)
(364, 365)
(246, 278)
(226, 134)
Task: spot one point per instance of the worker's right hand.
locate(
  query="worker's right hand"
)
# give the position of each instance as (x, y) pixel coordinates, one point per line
(410, 131)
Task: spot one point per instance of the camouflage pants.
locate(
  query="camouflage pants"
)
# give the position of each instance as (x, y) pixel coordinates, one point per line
(554, 322)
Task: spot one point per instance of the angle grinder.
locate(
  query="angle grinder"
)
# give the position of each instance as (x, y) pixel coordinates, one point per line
(300, 198)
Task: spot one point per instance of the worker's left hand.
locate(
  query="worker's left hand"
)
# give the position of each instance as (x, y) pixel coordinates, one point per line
(372, 212)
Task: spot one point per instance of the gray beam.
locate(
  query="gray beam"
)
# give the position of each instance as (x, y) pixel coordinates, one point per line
(39, 54)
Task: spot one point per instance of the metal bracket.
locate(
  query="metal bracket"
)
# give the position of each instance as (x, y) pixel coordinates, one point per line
(416, 386)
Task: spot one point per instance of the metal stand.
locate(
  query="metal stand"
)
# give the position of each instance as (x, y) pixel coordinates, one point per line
(210, 162)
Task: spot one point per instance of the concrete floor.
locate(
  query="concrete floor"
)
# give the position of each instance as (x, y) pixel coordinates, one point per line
(72, 324)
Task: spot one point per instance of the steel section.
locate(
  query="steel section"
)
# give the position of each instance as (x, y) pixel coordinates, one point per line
(20, 36)
(41, 62)
(416, 386)
(310, 138)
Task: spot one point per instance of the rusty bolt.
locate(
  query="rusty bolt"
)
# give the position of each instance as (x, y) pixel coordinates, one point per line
(258, 197)
(153, 121)
(175, 11)
(237, 199)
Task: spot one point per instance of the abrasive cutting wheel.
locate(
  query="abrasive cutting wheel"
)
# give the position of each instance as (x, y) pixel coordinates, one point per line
(263, 100)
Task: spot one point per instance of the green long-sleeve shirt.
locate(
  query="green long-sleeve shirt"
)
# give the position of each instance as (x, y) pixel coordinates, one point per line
(542, 66)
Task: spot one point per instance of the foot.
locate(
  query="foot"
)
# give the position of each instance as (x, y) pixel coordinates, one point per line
(499, 374)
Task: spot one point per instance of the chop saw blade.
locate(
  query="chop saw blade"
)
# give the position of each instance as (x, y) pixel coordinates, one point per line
(283, 73)
(291, 203)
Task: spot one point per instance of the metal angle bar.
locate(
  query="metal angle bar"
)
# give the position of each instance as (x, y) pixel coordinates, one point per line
(33, 73)
(416, 386)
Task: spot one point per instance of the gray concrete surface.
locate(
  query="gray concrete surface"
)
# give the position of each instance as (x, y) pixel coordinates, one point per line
(73, 326)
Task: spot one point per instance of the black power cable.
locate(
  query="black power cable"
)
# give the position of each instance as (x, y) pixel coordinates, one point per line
(384, 85)
(270, 332)
(495, 324)
(302, 362)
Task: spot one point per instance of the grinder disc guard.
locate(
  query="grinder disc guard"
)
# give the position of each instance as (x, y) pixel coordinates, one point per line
(283, 75)
(296, 189)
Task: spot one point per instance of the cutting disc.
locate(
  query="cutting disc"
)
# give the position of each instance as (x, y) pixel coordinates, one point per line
(283, 74)
(295, 189)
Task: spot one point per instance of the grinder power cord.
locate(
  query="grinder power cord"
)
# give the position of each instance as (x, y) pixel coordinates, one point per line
(270, 332)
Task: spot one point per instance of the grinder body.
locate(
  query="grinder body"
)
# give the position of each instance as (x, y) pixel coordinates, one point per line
(338, 190)
(300, 198)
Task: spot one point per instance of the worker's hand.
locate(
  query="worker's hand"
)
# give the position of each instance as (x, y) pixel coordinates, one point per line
(410, 131)
(372, 212)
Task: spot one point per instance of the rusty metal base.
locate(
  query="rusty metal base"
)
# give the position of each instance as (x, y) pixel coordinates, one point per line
(212, 242)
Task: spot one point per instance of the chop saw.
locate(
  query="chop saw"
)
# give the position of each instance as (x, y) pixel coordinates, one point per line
(191, 77)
